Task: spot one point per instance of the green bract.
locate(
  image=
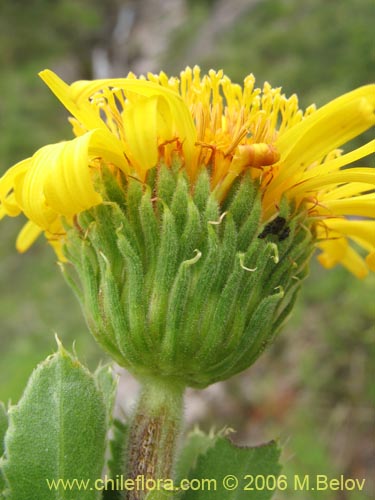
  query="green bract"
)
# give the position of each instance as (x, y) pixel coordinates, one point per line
(174, 285)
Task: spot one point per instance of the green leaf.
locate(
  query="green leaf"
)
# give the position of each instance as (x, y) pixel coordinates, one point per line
(56, 431)
(3, 425)
(197, 443)
(117, 461)
(118, 445)
(3, 484)
(3, 428)
(107, 383)
(226, 464)
(160, 495)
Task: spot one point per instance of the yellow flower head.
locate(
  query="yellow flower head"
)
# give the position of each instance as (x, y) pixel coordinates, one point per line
(131, 125)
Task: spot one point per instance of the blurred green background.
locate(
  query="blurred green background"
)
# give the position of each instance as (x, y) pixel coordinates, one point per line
(314, 388)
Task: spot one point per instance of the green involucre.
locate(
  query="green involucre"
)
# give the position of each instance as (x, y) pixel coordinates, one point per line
(175, 285)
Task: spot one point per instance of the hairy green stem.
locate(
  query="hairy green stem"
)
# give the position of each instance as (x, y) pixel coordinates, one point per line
(153, 436)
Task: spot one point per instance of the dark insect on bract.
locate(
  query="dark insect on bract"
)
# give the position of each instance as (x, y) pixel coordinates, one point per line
(276, 227)
(284, 233)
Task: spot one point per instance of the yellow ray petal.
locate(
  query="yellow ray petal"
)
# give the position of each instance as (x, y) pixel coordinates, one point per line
(370, 260)
(359, 205)
(85, 114)
(363, 229)
(347, 190)
(81, 91)
(338, 251)
(355, 263)
(68, 184)
(365, 244)
(363, 175)
(329, 127)
(341, 161)
(58, 248)
(26, 237)
(107, 147)
(333, 251)
(142, 140)
(8, 202)
(10, 206)
(351, 157)
(7, 180)
(29, 189)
